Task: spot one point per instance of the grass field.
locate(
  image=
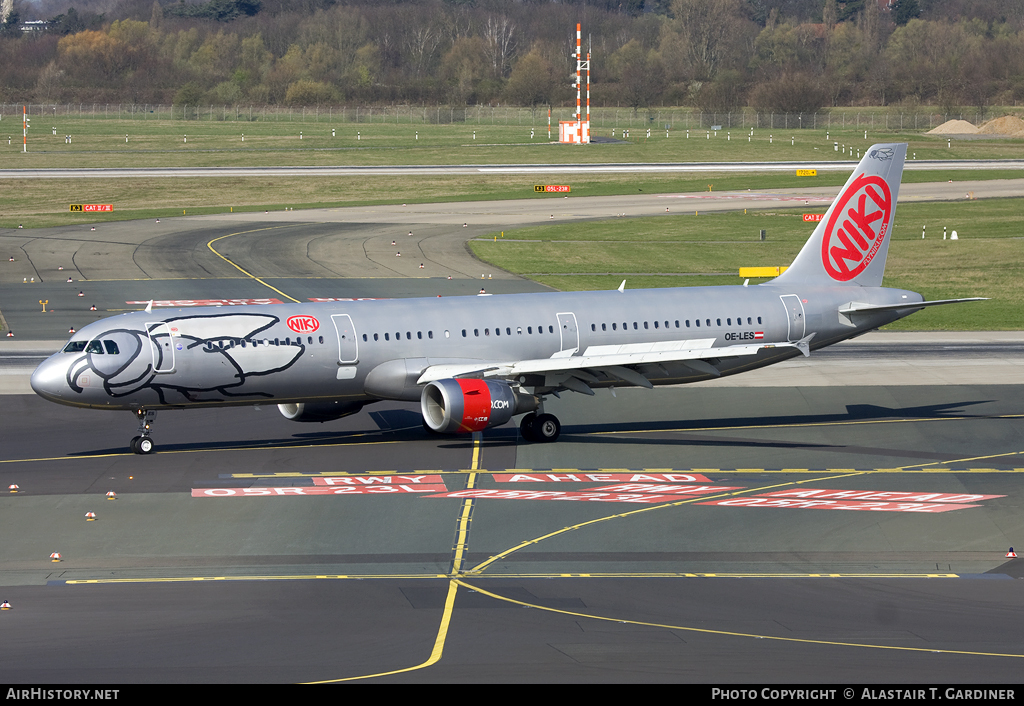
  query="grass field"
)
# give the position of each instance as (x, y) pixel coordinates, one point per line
(685, 250)
(177, 143)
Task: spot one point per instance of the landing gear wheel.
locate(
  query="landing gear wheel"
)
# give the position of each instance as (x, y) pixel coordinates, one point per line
(526, 427)
(546, 428)
(145, 445)
(133, 445)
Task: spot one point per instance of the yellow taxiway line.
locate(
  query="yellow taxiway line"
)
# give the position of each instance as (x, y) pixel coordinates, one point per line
(727, 633)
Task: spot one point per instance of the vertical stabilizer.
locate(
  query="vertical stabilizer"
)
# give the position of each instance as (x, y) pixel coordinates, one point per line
(851, 242)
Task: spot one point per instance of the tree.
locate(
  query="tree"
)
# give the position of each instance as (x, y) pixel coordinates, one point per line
(789, 93)
(905, 10)
(642, 74)
(704, 27)
(304, 92)
(532, 81)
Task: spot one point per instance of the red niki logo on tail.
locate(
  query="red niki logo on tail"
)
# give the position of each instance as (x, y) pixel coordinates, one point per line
(857, 228)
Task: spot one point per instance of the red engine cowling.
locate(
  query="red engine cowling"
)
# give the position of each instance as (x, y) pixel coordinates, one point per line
(463, 405)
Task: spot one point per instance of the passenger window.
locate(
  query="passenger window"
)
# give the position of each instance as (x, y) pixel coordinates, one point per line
(463, 333)
(375, 337)
(593, 327)
(321, 339)
(508, 331)
(729, 321)
(408, 335)
(707, 321)
(645, 325)
(748, 319)
(364, 338)
(487, 332)
(419, 334)
(551, 329)
(615, 327)
(497, 331)
(540, 329)
(698, 323)
(430, 334)
(604, 327)
(446, 333)
(655, 324)
(309, 340)
(519, 330)
(758, 319)
(387, 336)
(634, 326)
(718, 322)
(476, 332)
(687, 324)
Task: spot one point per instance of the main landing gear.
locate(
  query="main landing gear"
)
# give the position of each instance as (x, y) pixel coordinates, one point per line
(143, 443)
(543, 428)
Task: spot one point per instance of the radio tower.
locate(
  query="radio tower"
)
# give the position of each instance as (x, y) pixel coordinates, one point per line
(579, 130)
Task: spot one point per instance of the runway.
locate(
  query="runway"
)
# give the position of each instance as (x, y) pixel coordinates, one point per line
(842, 519)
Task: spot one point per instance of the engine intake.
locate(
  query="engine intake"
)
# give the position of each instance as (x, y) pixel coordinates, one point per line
(318, 411)
(462, 405)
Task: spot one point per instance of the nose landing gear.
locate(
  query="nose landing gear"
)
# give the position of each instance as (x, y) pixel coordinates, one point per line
(143, 443)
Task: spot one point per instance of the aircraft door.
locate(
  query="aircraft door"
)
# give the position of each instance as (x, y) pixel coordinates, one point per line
(795, 316)
(162, 346)
(348, 345)
(569, 332)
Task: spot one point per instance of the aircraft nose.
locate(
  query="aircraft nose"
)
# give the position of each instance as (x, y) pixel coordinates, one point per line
(50, 380)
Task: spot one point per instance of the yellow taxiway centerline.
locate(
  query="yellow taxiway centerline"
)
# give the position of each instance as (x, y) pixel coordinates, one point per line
(727, 633)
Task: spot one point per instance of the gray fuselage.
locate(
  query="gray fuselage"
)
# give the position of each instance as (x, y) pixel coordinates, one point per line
(364, 350)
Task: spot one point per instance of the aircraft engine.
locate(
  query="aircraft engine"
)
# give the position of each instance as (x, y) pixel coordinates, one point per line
(463, 405)
(318, 411)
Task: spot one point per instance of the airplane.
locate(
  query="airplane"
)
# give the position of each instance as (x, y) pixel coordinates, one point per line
(476, 362)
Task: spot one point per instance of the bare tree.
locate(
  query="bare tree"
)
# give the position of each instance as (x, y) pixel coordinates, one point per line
(499, 37)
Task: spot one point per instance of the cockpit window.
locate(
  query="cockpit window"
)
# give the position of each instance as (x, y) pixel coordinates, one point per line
(87, 346)
(111, 347)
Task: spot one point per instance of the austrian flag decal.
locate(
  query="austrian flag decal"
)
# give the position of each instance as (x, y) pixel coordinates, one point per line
(857, 227)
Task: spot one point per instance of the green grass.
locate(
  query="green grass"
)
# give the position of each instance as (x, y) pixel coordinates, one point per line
(987, 260)
(101, 143)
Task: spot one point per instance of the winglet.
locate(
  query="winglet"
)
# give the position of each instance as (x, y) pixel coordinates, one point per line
(622, 287)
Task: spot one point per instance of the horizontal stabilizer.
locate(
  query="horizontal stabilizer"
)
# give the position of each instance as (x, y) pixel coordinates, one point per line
(856, 308)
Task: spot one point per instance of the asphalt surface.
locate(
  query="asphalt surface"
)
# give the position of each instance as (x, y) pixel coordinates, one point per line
(182, 578)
